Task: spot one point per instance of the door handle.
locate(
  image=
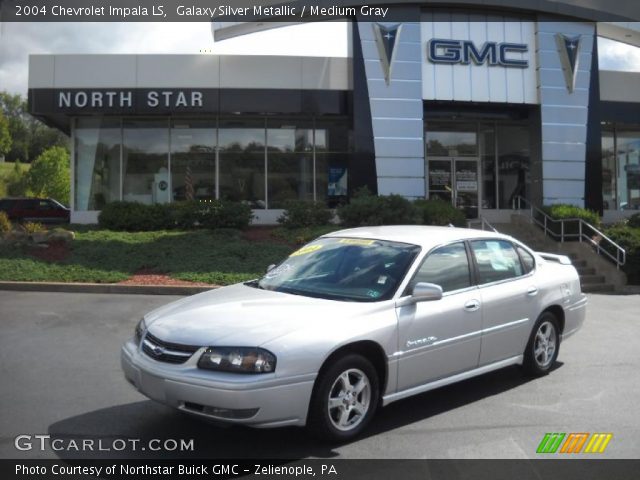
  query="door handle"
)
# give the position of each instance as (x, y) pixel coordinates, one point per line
(532, 291)
(472, 305)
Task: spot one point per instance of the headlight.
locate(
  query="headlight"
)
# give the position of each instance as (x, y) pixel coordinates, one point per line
(238, 360)
(140, 328)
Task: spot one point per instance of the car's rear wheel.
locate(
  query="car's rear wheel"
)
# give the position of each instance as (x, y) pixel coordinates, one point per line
(543, 347)
(344, 399)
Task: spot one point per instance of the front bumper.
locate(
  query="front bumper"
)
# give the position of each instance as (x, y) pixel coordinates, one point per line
(257, 400)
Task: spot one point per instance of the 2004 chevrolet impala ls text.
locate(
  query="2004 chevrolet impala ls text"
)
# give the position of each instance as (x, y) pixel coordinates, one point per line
(355, 320)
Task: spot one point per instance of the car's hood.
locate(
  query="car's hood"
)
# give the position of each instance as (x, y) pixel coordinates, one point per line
(241, 315)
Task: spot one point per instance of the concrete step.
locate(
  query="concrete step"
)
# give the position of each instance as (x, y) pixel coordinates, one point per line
(591, 279)
(579, 263)
(586, 271)
(598, 288)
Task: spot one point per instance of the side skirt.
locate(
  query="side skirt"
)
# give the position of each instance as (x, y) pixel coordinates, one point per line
(517, 360)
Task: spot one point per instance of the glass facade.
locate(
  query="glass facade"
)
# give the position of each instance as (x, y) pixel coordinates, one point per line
(97, 162)
(261, 161)
(621, 167)
(480, 163)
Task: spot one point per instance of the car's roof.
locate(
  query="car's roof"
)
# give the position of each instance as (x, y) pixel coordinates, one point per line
(423, 235)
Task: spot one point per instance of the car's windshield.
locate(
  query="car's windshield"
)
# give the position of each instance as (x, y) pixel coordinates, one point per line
(350, 269)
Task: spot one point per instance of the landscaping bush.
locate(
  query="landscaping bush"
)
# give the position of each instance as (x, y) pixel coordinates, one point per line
(634, 220)
(629, 239)
(138, 217)
(135, 217)
(299, 214)
(367, 209)
(5, 223)
(439, 212)
(33, 227)
(49, 175)
(562, 211)
(226, 214)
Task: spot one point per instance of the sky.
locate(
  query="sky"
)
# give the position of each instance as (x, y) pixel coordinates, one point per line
(18, 40)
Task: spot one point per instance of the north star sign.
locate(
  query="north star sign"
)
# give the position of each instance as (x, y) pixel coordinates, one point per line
(465, 52)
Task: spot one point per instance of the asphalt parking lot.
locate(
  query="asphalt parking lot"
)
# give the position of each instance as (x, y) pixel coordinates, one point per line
(60, 376)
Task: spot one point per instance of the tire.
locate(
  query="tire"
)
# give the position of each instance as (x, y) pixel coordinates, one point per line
(543, 346)
(349, 411)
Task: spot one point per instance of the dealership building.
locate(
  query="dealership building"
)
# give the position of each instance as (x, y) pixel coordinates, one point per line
(479, 106)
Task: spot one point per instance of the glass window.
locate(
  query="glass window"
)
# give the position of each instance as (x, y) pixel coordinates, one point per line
(628, 158)
(332, 144)
(609, 175)
(496, 260)
(242, 161)
(451, 140)
(146, 161)
(446, 266)
(289, 162)
(528, 262)
(440, 180)
(97, 162)
(488, 158)
(513, 163)
(193, 160)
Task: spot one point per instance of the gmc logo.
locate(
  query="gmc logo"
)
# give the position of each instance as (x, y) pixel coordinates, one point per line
(464, 52)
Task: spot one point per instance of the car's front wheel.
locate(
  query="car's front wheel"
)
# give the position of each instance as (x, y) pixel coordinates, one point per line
(344, 399)
(543, 347)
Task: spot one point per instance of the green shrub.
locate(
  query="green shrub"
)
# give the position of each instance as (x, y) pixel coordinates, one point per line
(367, 209)
(629, 239)
(634, 220)
(563, 211)
(299, 214)
(439, 212)
(16, 181)
(49, 175)
(138, 217)
(5, 223)
(135, 217)
(226, 214)
(33, 227)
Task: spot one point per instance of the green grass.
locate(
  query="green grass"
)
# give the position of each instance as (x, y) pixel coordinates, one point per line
(104, 256)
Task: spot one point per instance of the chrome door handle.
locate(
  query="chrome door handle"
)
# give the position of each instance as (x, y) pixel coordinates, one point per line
(472, 305)
(532, 291)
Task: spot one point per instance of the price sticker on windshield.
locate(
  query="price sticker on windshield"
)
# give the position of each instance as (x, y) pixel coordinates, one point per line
(306, 250)
(356, 241)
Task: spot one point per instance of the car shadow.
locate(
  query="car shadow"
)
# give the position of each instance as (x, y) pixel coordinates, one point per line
(118, 426)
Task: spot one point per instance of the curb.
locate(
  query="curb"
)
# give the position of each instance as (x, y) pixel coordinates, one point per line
(103, 288)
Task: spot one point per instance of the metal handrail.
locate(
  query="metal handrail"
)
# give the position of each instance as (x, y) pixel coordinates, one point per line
(483, 223)
(595, 239)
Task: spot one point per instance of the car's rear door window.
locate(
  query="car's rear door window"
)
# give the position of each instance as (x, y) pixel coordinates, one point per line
(496, 260)
(446, 266)
(528, 262)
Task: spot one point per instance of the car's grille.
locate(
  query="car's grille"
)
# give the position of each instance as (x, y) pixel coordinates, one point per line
(166, 351)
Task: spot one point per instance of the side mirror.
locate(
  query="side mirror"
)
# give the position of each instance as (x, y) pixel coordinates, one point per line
(271, 267)
(426, 292)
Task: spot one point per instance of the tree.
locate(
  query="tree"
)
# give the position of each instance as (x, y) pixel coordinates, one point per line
(30, 137)
(5, 138)
(49, 175)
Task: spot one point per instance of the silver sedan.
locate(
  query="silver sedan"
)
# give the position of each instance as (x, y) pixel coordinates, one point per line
(353, 321)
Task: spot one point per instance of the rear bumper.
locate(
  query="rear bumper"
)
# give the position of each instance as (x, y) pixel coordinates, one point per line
(229, 398)
(574, 315)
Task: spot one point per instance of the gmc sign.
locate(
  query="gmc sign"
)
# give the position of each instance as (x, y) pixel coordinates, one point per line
(465, 51)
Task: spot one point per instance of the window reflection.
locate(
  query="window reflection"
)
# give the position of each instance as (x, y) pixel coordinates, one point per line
(193, 159)
(621, 167)
(97, 162)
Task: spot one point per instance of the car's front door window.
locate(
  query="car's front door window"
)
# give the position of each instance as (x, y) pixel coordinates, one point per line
(446, 266)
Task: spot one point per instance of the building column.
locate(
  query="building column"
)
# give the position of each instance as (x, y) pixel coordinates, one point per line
(564, 113)
(396, 109)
